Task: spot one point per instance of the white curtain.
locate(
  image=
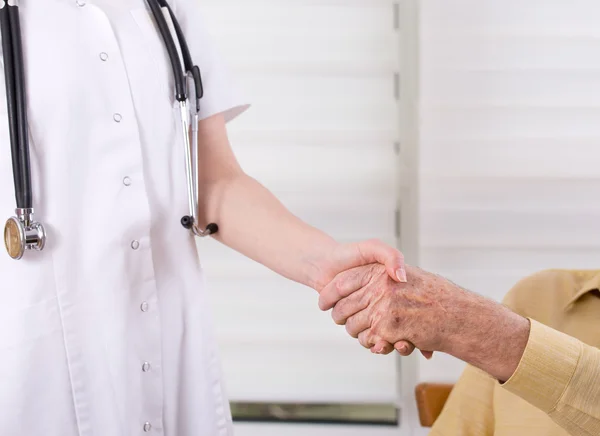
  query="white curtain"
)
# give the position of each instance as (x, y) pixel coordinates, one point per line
(510, 142)
(320, 135)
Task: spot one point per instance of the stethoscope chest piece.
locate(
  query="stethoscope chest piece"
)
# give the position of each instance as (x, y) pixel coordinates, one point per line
(22, 234)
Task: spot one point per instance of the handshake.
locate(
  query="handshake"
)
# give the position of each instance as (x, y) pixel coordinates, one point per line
(388, 305)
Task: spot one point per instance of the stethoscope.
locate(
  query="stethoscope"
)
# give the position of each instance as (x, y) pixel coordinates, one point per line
(22, 232)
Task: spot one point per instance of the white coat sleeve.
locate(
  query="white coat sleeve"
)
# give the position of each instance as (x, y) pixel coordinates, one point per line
(221, 94)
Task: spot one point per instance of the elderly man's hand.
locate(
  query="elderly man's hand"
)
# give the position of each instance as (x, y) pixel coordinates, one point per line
(362, 257)
(430, 312)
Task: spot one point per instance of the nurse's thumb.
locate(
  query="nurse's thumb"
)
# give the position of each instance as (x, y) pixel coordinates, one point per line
(375, 251)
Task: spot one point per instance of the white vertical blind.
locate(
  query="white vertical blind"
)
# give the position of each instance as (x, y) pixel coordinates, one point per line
(510, 141)
(320, 135)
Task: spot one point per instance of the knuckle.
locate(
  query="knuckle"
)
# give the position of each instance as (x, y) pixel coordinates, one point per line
(338, 317)
(373, 338)
(375, 327)
(335, 316)
(362, 339)
(368, 270)
(373, 268)
(350, 329)
(374, 271)
(365, 299)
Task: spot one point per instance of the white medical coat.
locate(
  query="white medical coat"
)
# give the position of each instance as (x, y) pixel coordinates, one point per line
(106, 332)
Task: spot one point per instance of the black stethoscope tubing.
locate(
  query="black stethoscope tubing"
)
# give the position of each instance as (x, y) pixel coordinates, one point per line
(190, 68)
(14, 72)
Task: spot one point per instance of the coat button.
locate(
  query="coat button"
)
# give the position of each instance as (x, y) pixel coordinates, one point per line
(135, 245)
(146, 366)
(127, 181)
(103, 56)
(147, 427)
(144, 306)
(80, 2)
(117, 118)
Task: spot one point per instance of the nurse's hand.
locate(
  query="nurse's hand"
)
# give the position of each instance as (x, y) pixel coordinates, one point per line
(344, 257)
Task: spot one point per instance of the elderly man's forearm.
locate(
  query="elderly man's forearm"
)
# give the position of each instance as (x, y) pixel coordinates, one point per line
(491, 338)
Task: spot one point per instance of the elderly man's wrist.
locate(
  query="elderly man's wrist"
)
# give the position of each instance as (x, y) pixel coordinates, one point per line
(491, 338)
(512, 348)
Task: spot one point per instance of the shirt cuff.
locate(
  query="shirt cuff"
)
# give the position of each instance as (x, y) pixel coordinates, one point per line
(546, 367)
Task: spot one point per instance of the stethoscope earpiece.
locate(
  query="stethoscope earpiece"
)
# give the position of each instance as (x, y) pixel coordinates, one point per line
(188, 222)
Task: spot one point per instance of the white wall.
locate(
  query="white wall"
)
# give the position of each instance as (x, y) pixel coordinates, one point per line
(510, 142)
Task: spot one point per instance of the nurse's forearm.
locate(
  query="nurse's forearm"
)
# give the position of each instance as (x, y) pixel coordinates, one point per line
(252, 221)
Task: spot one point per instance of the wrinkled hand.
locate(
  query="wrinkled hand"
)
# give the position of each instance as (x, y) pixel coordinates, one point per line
(366, 254)
(430, 312)
(380, 312)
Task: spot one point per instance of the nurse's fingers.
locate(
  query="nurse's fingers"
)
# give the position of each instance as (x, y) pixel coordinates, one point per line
(427, 354)
(374, 343)
(382, 347)
(405, 348)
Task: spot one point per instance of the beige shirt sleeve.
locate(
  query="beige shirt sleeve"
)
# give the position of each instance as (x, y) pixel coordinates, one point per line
(469, 409)
(561, 376)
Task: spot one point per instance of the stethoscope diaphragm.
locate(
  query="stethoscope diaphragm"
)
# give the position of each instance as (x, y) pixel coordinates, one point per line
(22, 233)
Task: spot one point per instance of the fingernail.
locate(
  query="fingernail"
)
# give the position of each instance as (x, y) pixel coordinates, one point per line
(401, 274)
(403, 348)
